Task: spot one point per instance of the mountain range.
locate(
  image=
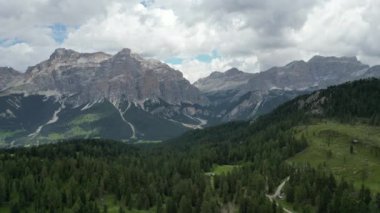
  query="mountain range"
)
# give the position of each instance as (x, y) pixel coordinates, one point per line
(127, 97)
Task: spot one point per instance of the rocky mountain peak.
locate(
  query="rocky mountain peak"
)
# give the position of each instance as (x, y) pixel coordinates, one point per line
(214, 74)
(233, 71)
(9, 71)
(71, 56)
(62, 57)
(333, 59)
(230, 79)
(296, 63)
(95, 76)
(7, 76)
(63, 53)
(125, 52)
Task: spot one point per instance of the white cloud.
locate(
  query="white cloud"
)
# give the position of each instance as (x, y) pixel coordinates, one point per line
(343, 27)
(251, 35)
(20, 51)
(194, 69)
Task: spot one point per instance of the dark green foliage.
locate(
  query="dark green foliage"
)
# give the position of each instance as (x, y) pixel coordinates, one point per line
(356, 99)
(77, 176)
(317, 188)
(352, 101)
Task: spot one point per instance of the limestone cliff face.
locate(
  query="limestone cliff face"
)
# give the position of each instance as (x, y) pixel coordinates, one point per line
(125, 96)
(87, 77)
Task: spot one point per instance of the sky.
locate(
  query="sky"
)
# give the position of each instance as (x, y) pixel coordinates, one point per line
(193, 36)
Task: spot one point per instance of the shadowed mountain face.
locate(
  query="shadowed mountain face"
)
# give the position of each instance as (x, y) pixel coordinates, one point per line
(127, 97)
(8, 76)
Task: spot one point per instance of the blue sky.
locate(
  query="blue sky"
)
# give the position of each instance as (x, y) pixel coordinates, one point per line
(9, 42)
(203, 58)
(174, 60)
(59, 32)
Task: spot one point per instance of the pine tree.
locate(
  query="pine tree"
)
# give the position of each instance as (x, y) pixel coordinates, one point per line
(185, 205)
(377, 200)
(121, 210)
(159, 207)
(170, 206)
(206, 207)
(2, 190)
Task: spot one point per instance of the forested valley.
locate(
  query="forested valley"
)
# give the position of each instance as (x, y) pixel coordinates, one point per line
(178, 176)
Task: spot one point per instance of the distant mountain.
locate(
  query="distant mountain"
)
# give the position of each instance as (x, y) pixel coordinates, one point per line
(246, 95)
(127, 97)
(8, 76)
(219, 81)
(351, 102)
(319, 72)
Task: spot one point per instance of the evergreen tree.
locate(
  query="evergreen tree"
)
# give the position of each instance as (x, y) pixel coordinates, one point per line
(170, 206)
(185, 205)
(206, 207)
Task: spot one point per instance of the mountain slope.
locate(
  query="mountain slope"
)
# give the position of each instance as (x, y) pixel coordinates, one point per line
(37, 119)
(148, 99)
(235, 167)
(356, 101)
(319, 72)
(246, 95)
(334, 132)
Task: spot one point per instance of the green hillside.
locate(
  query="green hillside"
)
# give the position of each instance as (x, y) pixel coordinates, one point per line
(350, 151)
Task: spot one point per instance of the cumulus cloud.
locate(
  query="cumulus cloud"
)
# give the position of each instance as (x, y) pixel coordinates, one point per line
(251, 35)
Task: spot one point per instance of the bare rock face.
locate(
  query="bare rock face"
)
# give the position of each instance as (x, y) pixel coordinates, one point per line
(88, 77)
(218, 81)
(127, 97)
(8, 76)
(318, 72)
(65, 72)
(238, 95)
